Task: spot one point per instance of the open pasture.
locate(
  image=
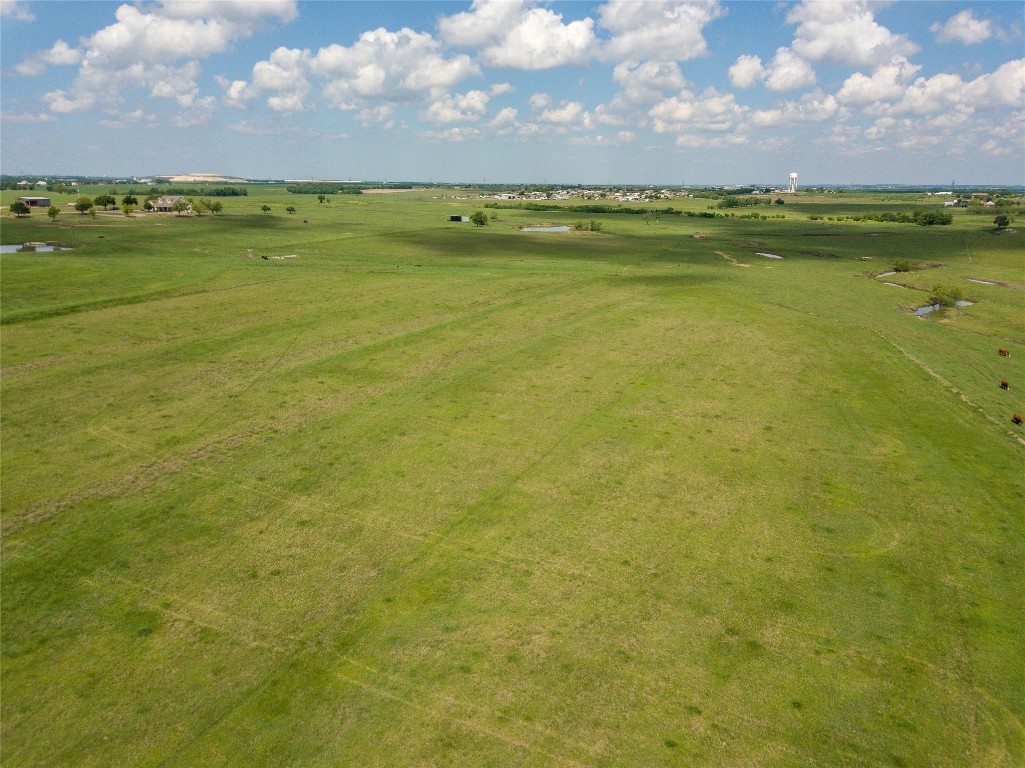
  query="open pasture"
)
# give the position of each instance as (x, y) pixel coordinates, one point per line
(434, 494)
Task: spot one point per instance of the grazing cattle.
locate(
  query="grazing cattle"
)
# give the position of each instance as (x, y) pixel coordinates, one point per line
(1004, 385)
(1016, 418)
(266, 258)
(1004, 352)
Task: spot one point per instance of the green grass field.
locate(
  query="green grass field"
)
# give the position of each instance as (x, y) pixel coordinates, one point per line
(433, 494)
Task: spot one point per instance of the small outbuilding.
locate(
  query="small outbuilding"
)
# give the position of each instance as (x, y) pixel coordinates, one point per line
(35, 202)
(458, 218)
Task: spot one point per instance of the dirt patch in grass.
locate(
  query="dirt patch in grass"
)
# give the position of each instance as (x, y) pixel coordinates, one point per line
(730, 259)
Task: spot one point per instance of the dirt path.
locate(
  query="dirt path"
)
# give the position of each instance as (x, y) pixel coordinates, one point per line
(731, 260)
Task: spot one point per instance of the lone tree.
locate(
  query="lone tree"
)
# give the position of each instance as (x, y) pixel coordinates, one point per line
(290, 209)
(83, 204)
(321, 198)
(180, 206)
(1003, 220)
(19, 208)
(127, 208)
(265, 208)
(130, 199)
(107, 201)
(479, 218)
(53, 211)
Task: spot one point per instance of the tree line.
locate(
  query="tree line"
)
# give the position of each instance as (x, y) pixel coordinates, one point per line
(218, 191)
(315, 188)
(921, 216)
(670, 211)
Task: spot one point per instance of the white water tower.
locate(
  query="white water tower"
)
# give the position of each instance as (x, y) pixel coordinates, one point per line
(793, 183)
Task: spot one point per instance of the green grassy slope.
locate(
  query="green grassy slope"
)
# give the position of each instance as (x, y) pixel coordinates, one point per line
(430, 494)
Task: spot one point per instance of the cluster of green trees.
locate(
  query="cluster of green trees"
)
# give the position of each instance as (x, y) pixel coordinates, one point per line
(129, 203)
(734, 201)
(921, 216)
(319, 188)
(1004, 206)
(591, 208)
(199, 207)
(714, 215)
(218, 191)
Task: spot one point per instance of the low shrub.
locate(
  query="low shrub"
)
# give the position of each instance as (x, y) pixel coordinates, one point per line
(945, 295)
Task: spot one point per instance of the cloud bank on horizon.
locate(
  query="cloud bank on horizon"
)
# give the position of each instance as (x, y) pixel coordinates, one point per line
(520, 89)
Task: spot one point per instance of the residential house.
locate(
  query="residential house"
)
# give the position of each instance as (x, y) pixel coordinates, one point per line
(166, 203)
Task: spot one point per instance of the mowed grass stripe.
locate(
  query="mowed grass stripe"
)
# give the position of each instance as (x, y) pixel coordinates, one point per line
(221, 413)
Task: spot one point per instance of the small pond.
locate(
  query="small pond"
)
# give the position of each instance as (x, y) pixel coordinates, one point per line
(31, 248)
(933, 307)
(564, 228)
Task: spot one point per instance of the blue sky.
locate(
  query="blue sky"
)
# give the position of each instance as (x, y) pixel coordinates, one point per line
(619, 91)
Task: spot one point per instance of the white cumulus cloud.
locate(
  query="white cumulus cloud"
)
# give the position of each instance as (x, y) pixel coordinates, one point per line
(887, 83)
(539, 100)
(199, 113)
(811, 107)
(143, 46)
(458, 108)
(1005, 87)
(486, 22)
(658, 30)
(402, 66)
(505, 118)
(28, 117)
(13, 9)
(648, 81)
(787, 72)
(711, 111)
(566, 113)
(964, 28)
(283, 75)
(235, 10)
(746, 71)
(845, 32)
(457, 134)
(519, 36)
(61, 54)
(381, 115)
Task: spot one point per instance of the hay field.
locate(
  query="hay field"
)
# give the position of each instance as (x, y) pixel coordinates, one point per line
(433, 494)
